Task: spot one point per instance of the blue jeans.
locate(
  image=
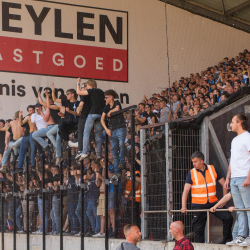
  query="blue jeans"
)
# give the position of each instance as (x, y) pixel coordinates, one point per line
(40, 208)
(241, 200)
(5, 216)
(16, 145)
(78, 211)
(90, 122)
(118, 142)
(74, 222)
(93, 218)
(37, 136)
(18, 212)
(7, 153)
(55, 214)
(32, 151)
(23, 149)
(56, 142)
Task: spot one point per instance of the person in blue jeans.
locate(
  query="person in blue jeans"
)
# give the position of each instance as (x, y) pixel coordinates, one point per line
(55, 211)
(40, 202)
(239, 172)
(79, 205)
(26, 141)
(116, 130)
(93, 196)
(94, 116)
(72, 197)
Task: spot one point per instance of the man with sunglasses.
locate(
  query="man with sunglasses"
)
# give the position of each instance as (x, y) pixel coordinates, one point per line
(93, 120)
(71, 117)
(116, 130)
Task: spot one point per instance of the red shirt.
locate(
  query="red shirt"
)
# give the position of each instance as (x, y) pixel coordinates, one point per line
(183, 244)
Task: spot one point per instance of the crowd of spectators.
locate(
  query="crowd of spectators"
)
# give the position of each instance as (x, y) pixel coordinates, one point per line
(194, 94)
(56, 123)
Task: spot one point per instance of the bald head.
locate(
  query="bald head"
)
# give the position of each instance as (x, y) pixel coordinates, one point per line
(176, 230)
(178, 225)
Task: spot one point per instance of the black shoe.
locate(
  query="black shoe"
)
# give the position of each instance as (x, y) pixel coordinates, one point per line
(33, 169)
(89, 234)
(18, 170)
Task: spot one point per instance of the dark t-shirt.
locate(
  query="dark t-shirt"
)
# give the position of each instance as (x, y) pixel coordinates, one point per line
(93, 189)
(150, 117)
(72, 106)
(97, 101)
(54, 114)
(56, 178)
(87, 105)
(73, 190)
(142, 115)
(115, 122)
(189, 181)
(27, 128)
(11, 134)
(2, 139)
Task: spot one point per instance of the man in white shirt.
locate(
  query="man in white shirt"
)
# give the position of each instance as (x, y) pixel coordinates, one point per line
(38, 120)
(239, 172)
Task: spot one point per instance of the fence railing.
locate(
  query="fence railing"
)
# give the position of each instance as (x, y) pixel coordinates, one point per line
(60, 204)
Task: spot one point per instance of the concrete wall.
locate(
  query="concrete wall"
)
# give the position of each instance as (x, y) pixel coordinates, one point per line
(53, 243)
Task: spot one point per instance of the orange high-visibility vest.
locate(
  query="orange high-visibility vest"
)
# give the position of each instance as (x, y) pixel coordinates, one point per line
(203, 190)
(137, 191)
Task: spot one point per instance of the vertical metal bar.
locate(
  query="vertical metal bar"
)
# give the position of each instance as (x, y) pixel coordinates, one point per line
(143, 184)
(208, 225)
(132, 116)
(61, 206)
(14, 208)
(205, 138)
(106, 192)
(82, 208)
(27, 204)
(2, 215)
(43, 199)
(168, 159)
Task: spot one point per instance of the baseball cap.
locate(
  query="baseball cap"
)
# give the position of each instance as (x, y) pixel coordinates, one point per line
(38, 105)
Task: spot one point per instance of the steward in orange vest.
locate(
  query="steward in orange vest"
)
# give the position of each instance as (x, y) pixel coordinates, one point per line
(137, 203)
(202, 182)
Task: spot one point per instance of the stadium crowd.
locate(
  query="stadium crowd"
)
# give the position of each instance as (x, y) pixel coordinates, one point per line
(56, 123)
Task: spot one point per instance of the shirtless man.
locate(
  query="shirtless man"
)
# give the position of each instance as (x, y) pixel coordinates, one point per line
(14, 133)
(37, 136)
(27, 138)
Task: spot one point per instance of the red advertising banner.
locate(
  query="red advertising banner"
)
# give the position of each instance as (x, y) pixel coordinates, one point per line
(61, 59)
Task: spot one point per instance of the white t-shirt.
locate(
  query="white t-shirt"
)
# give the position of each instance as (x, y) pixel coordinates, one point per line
(38, 120)
(240, 155)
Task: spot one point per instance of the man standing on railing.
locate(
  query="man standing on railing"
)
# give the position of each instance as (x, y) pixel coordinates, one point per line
(181, 242)
(202, 182)
(239, 172)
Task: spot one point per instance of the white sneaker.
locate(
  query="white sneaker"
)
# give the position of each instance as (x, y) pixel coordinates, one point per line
(83, 156)
(79, 234)
(37, 232)
(237, 241)
(78, 155)
(245, 243)
(58, 161)
(99, 235)
(20, 231)
(73, 144)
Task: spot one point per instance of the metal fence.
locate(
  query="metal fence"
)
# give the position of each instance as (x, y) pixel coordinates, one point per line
(78, 198)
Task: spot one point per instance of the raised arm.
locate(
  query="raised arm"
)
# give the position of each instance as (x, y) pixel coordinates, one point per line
(51, 106)
(41, 100)
(54, 95)
(78, 89)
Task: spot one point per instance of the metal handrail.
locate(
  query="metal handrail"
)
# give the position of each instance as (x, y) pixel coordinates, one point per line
(197, 210)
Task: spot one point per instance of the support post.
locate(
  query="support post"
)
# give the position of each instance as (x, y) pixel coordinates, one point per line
(14, 207)
(43, 199)
(143, 184)
(82, 207)
(61, 206)
(132, 116)
(27, 203)
(2, 215)
(106, 192)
